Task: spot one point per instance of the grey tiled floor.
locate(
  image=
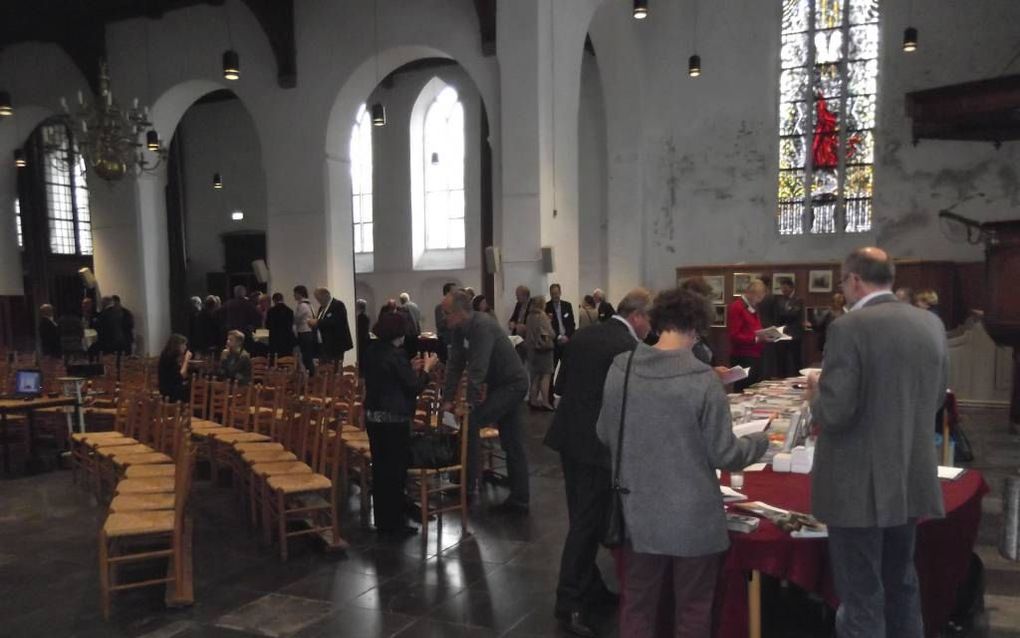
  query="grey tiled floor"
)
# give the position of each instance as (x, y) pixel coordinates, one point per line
(499, 582)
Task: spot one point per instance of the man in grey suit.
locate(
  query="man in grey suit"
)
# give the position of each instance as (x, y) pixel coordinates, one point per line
(883, 378)
(479, 346)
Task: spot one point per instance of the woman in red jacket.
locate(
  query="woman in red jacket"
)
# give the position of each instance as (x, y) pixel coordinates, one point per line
(742, 323)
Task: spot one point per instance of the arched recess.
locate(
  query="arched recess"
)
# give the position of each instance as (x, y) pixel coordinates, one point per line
(132, 252)
(339, 213)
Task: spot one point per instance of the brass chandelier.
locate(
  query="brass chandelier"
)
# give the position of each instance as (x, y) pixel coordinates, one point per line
(109, 137)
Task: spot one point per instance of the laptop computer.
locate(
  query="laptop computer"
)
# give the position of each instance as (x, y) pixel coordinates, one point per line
(27, 384)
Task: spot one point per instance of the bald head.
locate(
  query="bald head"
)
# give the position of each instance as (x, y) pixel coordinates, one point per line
(867, 270)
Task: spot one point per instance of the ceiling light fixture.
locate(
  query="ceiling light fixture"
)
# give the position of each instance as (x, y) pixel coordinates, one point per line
(378, 110)
(694, 66)
(640, 9)
(231, 65)
(152, 140)
(435, 159)
(378, 114)
(6, 108)
(910, 39)
(19, 158)
(217, 182)
(237, 215)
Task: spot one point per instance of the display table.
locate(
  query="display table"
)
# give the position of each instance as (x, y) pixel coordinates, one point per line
(943, 553)
(28, 408)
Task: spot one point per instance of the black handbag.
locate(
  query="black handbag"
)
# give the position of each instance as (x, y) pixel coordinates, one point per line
(615, 530)
(434, 449)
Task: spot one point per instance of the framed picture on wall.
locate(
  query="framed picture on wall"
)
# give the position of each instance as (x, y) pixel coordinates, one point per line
(719, 316)
(718, 284)
(820, 281)
(777, 277)
(740, 281)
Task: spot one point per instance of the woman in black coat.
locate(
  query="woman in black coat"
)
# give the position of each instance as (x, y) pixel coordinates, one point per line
(173, 369)
(392, 384)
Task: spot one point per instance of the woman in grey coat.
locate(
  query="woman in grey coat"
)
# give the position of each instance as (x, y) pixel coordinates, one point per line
(678, 431)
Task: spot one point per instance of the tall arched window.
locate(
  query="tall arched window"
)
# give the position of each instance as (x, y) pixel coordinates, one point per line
(67, 194)
(361, 184)
(827, 89)
(437, 177)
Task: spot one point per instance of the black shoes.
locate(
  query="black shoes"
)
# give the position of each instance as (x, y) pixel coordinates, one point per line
(510, 507)
(574, 623)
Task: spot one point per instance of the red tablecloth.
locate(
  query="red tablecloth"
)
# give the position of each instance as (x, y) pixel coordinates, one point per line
(943, 552)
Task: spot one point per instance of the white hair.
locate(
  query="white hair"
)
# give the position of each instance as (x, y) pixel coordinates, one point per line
(404, 298)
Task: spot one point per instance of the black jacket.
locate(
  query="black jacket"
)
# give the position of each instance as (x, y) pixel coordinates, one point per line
(336, 334)
(110, 330)
(391, 384)
(605, 311)
(49, 338)
(583, 370)
(567, 311)
(790, 313)
(280, 321)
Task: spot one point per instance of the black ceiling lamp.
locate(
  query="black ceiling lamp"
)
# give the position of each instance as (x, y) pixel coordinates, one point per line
(640, 9)
(152, 140)
(910, 39)
(217, 182)
(19, 158)
(378, 114)
(435, 159)
(6, 108)
(694, 66)
(231, 65)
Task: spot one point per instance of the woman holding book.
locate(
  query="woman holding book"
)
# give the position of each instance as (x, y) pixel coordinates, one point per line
(743, 325)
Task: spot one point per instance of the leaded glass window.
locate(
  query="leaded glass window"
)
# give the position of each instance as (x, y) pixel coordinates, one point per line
(17, 220)
(67, 198)
(361, 182)
(444, 172)
(827, 88)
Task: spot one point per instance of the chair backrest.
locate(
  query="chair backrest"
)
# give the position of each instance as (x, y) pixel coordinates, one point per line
(287, 363)
(199, 396)
(239, 411)
(168, 424)
(183, 477)
(317, 416)
(259, 365)
(219, 400)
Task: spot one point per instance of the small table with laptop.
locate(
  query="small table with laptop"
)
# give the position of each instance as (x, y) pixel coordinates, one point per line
(26, 397)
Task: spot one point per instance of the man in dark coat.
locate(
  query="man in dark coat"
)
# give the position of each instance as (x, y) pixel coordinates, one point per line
(362, 327)
(561, 315)
(239, 314)
(586, 464)
(127, 325)
(280, 321)
(110, 328)
(49, 332)
(604, 308)
(334, 334)
(789, 315)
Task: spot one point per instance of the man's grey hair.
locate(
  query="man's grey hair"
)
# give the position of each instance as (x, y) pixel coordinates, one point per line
(876, 269)
(637, 300)
(404, 297)
(240, 291)
(461, 301)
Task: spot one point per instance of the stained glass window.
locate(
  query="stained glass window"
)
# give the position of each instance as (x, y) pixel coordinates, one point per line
(444, 172)
(361, 182)
(827, 85)
(67, 198)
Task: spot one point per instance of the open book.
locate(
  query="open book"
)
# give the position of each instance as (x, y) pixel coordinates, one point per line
(751, 427)
(773, 334)
(734, 374)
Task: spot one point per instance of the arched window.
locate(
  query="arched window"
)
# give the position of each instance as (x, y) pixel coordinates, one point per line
(361, 183)
(437, 177)
(827, 91)
(67, 194)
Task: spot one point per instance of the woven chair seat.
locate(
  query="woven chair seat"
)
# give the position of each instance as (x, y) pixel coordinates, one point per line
(142, 502)
(151, 470)
(281, 468)
(81, 437)
(293, 483)
(157, 485)
(112, 442)
(149, 458)
(139, 523)
(267, 456)
(244, 446)
(124, 450)
(241, 437)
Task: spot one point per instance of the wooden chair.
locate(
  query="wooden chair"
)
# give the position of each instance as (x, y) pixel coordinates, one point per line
(262, 464)
(434, 484)
(145, 535)
(199, 401)
(309, 497)
(259, 366)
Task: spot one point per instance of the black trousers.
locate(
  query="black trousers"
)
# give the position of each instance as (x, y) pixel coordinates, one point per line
(789, 355)
(306, 343)
(390, 444)
(587, 488)
(755, 375)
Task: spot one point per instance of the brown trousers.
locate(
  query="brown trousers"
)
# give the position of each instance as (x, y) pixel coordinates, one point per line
(693, 581)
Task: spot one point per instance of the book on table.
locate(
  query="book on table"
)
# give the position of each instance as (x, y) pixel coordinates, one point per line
(734, 374)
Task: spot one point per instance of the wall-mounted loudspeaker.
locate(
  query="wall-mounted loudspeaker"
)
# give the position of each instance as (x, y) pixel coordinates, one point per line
(493, 260)
(87, 278)
(547, 259)
(261, 271)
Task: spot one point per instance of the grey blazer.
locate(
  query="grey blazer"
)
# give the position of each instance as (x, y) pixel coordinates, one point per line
(884, 376)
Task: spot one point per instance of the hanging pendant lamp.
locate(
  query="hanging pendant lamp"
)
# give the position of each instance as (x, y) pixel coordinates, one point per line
(19, 158)
(378, 114)
(640, 9)
(217, 182)
(694, 66)
(910, 39)
(231, 65)
(6, 108)
(152, 140)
